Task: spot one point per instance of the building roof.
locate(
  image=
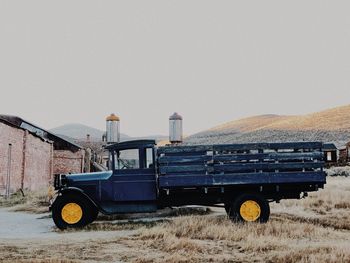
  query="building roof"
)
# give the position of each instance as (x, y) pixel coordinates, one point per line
(329, 147)
(59, 143)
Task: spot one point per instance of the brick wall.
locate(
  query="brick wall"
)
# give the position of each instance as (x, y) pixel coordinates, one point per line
(38, 170)
(30, 159)
(68, 162)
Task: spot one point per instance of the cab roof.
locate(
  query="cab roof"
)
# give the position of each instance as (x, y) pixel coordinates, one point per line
(131, 144)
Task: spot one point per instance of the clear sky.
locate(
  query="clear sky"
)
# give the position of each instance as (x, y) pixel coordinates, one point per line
(211, 61)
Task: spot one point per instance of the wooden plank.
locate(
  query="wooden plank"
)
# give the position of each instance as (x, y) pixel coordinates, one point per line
(182, 169)
(239, 157)
(184, 149)
(173, 181)
(179, 154)
(184, 159)
(297, 156)
(271, 146)
(240, 167)
(236, 147)
(271, 156)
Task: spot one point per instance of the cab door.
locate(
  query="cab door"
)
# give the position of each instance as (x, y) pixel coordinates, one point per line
(134, 176)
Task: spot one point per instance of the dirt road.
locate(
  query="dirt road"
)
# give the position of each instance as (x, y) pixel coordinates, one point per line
(34, 238)
(28, 237)
(22, 226)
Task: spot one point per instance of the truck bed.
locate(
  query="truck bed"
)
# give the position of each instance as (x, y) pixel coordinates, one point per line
(241, 164)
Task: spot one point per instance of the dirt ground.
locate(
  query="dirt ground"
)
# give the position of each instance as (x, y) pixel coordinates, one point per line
(315, 229)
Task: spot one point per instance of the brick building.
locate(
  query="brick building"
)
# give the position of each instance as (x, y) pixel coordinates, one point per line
(30, 155)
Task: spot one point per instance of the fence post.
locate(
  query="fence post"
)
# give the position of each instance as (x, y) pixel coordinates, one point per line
(8, 179)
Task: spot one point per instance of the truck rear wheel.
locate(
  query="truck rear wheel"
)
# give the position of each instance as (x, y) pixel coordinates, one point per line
(71, 211)
(249, 208)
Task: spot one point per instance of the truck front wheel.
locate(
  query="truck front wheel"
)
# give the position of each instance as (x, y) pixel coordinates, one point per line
(93, 214)
(71, 211)
(249, 208)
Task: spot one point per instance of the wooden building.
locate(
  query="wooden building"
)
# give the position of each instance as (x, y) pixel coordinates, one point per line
(344, 154)
(330, 153)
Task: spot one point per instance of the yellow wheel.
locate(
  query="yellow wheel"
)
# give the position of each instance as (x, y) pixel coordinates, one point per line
(249, 207)
(250, 210)
(72, 213)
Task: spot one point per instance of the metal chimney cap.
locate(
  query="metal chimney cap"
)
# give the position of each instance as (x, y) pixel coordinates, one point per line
(112, 117)
(175, 116)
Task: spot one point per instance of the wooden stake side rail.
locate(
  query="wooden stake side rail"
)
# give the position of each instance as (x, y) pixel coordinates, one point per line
(175, 181)
(239, 167)
(241, 157)
(241, 147)
(257, 163)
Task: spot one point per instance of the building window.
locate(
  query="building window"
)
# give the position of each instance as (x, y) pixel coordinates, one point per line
(329, 156)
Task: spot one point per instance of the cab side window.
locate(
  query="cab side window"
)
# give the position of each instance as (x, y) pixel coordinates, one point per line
(149, 158)
(127, 159)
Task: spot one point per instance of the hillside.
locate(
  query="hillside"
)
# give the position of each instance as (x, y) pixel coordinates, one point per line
(79, 131)
(332, 125)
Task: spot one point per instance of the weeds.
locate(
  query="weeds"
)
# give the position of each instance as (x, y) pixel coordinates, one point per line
(33, 202)
(339, 171)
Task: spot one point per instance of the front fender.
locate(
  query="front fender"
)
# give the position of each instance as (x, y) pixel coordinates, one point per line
(73, 190)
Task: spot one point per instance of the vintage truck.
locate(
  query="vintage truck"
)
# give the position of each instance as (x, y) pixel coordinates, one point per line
(244, 178)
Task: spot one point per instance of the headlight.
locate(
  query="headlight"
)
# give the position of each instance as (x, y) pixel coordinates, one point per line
(60, 181)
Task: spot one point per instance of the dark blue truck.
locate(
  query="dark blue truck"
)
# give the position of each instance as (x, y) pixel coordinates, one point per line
(144, 178)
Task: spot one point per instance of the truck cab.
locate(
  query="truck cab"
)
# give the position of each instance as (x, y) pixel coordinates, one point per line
(133, 184)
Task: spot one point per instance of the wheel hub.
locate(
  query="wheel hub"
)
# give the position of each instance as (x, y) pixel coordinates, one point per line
(72, 213)
(250, 210)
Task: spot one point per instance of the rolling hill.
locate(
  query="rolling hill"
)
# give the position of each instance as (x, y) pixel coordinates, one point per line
(332, 125)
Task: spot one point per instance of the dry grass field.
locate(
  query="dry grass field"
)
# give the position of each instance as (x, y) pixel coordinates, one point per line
(315, 229)
(330, 119)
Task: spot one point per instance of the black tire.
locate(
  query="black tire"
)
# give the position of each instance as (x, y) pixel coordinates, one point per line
(93, 214)
(235, 208)
(65, 199)
(227, 208)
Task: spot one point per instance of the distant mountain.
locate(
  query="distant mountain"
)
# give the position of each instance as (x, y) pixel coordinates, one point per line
(79, 131)
(332, 125)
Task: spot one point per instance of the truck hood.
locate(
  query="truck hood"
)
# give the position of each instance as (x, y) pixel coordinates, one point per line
(89, 176)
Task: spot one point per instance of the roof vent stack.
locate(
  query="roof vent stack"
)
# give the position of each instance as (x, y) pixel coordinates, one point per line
(112, 129)
(175, 128)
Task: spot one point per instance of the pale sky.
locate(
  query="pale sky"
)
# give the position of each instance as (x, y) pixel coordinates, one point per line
(211, 61)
